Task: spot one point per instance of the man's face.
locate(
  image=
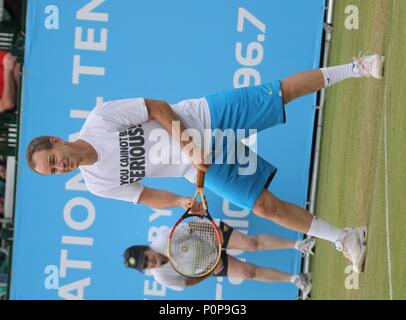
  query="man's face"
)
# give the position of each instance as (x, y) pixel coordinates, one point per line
(62, 158)
(153, 259)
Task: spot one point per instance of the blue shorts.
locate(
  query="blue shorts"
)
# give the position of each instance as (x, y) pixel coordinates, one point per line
(258, 107)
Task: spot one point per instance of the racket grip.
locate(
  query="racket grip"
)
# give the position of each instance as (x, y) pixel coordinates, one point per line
(200, 179)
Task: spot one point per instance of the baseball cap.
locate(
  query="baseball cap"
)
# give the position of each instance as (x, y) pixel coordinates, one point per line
(134, 257)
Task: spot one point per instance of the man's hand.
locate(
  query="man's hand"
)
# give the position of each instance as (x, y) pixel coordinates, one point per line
(196, 208)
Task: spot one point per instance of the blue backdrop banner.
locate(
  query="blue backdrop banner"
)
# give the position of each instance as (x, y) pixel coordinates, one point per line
(69, 243)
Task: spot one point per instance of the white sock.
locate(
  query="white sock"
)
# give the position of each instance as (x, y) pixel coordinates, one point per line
(323, 230)
(332, 75)
(293, 278)
(297, 243)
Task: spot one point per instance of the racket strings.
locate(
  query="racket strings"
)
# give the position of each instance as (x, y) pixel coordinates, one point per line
(195, 246)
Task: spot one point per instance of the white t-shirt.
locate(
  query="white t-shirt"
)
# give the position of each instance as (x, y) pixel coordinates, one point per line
(129, 147)
(166, 274)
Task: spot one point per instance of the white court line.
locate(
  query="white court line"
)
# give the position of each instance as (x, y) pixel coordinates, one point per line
(385, 97)
(386, 187)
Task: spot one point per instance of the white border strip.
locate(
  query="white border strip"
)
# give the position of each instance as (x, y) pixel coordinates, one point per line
(385, 102)
(386, 191)
(313, 187)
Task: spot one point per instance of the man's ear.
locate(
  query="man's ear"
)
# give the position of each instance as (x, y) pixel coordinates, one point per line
(56, 140)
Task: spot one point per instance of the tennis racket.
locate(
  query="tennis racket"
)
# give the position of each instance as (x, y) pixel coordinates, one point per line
(195, 241)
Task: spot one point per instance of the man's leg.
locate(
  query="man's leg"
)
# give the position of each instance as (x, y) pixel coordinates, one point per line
(350, 241)
(241, 241)
(244, 242)
(307, 82)
(301, 84)
(283, 213)
(243, 270)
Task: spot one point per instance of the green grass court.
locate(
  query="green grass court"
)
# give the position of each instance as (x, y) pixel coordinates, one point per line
(362, 177)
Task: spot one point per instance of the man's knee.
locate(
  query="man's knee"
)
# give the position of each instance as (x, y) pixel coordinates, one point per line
(268, 206)
(253, 244)
(288, 91)
(249, 272)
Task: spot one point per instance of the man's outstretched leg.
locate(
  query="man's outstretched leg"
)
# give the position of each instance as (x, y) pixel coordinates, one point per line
(239, 269)
(240, 241)
(350, 241)
(307, 82)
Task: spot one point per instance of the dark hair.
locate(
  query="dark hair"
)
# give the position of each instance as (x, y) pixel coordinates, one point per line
(37, 144)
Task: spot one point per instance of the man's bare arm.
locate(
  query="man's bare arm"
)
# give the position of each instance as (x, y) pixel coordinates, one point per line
(161, 112)
(162, 199)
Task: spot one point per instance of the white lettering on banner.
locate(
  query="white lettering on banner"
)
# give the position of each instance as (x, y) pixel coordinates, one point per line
(76, 183)
(79, 69)
(52, 280)
(237, 223)
(253, 55)
(90, 44)
(219, 288)
(233, 213)
(52, 20)
(153, 288)
(159, 213)
(74, 288)
(78, 286)
(153, 232)
(86, 13)
(81, 225)
(79, 114)
(83, 241)
(66, 264)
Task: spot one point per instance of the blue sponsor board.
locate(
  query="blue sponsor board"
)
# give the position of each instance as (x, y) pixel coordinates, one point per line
(68, 242)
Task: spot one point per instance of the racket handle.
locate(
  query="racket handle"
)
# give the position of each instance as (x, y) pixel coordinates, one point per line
(200, 179)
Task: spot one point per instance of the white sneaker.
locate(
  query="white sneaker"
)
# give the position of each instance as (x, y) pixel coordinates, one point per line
(306, 246)
(369, 65)
(304, 283)
(353, 246)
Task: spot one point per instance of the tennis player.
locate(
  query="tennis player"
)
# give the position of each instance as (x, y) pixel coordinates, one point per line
(154, 258)
(121, 142)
